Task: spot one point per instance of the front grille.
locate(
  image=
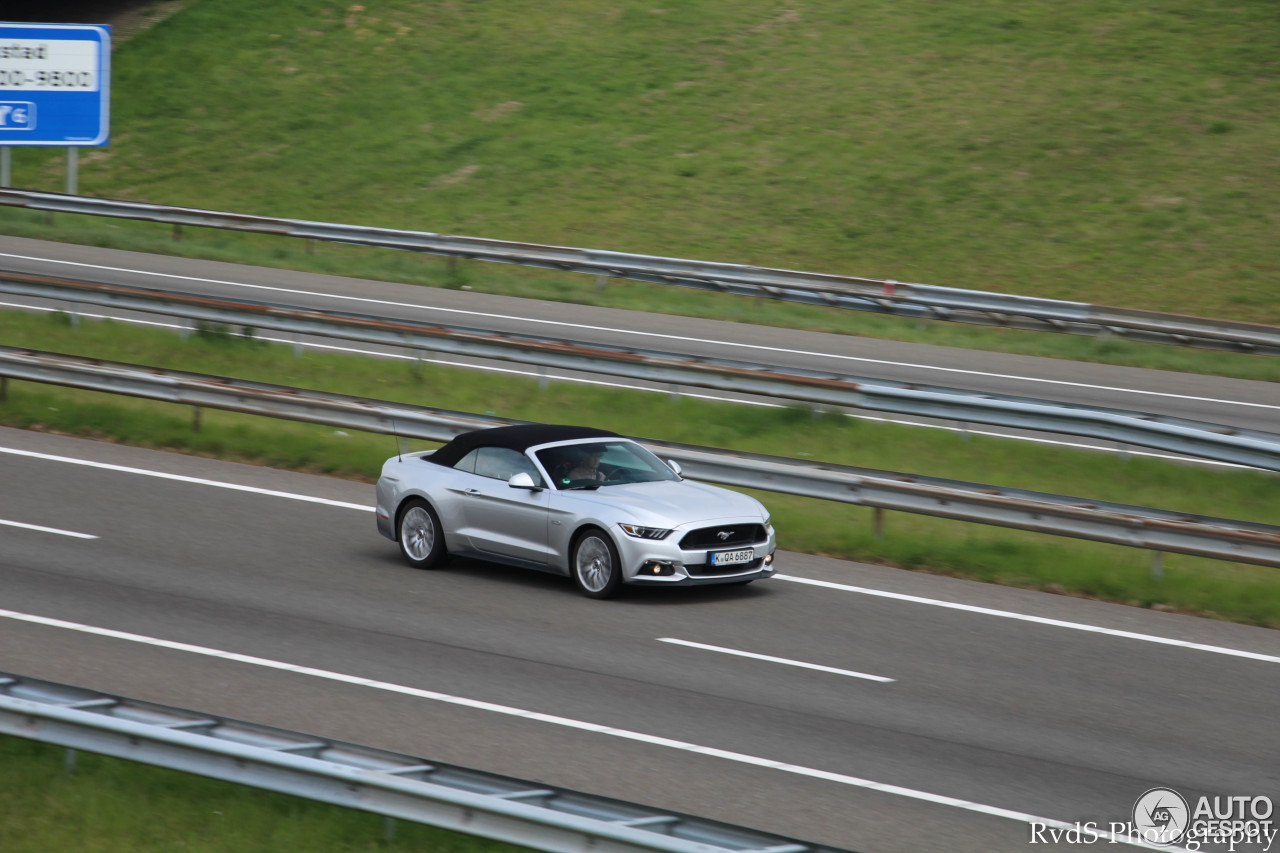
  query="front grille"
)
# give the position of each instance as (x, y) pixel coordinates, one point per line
(724, 536)
(705, 569)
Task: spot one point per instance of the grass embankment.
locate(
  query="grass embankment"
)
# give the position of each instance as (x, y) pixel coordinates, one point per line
(1234, 591)
(108, 805)
(1103, 152)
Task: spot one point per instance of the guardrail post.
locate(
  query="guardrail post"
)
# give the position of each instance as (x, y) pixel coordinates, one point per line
(177, 232)
(415, 367)
(877, 521)
(4, 389)
(5, 163)
(602, 281)
(75, 315)
(196, 418)
(1157, 565)
(69, 760)
(389, 828)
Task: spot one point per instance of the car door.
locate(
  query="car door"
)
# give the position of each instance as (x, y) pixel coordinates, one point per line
(500, 520)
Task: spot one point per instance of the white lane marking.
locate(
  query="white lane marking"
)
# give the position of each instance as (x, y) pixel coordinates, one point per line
(1040, 620)
(41, 529)
(551, 719)
(1075, 445)
(200, 481)
(771, 659)
(659, 335)
(829, 584)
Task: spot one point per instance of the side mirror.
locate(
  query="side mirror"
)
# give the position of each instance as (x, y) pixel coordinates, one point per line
(522, 481)
(675, 466)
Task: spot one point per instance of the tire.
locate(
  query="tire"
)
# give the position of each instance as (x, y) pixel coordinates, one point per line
(420, 536)
(594, 564)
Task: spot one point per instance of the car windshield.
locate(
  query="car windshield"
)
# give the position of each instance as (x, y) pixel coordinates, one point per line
(589, 465)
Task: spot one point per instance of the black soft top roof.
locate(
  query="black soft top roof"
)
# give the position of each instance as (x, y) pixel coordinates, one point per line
(520, 437)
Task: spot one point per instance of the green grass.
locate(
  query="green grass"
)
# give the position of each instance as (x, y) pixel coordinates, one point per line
(1100, 151)
(109, 805)
(1235, 591)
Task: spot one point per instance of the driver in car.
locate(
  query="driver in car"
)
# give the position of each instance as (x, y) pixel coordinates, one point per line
(587, 465)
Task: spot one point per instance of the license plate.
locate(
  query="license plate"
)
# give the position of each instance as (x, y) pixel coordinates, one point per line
(732, 558)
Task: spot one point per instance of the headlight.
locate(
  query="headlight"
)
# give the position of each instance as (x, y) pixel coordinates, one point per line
(644, 532)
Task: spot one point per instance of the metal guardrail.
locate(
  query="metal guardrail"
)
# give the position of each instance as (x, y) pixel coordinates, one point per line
(1140, 527)
(1176, 435)
(395, 785)
(921, 301)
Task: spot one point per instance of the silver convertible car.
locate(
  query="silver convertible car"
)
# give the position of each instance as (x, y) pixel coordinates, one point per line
(571, 500)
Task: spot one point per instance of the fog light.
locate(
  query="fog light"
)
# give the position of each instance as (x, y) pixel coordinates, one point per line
(768, 560)
(654, 567)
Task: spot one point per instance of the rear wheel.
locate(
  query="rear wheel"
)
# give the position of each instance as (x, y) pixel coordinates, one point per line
(596, 569)
(420, 536)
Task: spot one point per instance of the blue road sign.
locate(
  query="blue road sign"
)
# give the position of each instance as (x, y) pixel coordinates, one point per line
(55, 84)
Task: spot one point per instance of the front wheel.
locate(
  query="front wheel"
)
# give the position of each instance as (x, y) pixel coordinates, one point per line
(596, 569)
(421, 539)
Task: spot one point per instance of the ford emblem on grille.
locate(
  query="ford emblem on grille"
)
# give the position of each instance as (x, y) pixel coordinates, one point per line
(724, 534)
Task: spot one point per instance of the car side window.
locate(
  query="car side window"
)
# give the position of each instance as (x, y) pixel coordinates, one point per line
(502, 463)
(468, 462)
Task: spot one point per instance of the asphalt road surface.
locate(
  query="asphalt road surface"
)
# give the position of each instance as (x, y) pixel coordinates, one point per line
(894, 713)
(1238, 403)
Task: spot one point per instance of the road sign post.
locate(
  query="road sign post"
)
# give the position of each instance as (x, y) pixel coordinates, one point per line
(55, 85)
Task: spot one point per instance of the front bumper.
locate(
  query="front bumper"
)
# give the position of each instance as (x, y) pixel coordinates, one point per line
(686, 579)
(664, 563)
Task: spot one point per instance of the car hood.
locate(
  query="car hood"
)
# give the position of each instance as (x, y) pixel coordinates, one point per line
(669, 503)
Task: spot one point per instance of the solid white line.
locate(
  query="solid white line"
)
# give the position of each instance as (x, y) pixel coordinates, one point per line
(183, 479)
(659, 335)
(772, 659)
(550, 719)
(41, 529)
(828, 584)
(1075, 445)
(1040, 620)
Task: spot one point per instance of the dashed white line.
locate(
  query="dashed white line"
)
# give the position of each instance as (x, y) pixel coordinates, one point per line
(771, 659)
(42, 529)
(552, 719)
